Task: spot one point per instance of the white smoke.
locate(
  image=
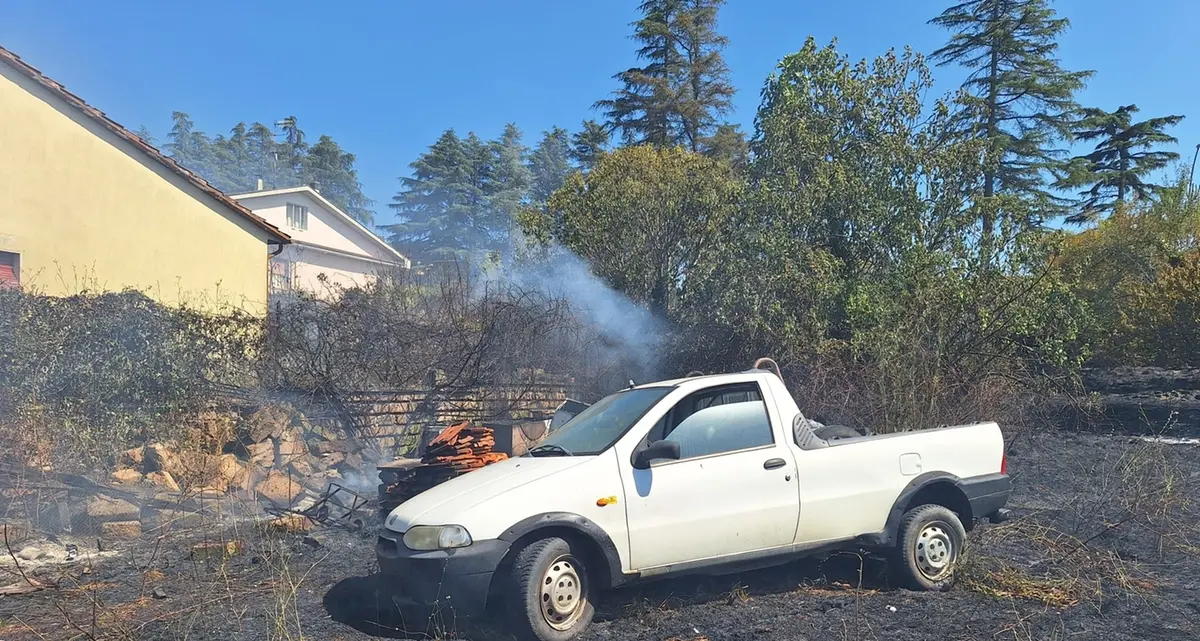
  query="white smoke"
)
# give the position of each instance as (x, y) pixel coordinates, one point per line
(624, 335)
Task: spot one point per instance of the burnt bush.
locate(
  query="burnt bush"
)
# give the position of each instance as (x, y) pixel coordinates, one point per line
(109, 369)
(86, 376)
(441, 332)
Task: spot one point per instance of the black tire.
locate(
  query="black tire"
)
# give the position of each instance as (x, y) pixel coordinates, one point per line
(534, 571)
(929, 544)
(833, 432)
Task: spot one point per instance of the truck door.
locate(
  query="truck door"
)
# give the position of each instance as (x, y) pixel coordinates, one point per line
(732, 491)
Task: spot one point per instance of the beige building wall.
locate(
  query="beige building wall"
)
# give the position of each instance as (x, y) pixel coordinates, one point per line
(327, 274)
(329, 255)
(85, 209)
(323, 228)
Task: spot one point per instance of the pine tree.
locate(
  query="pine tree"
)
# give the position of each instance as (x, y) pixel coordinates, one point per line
(144, 133)
(263, 159)
(234, 164)
(588, 144)
(186, 145)
(641, 108)
(549, 164)
(1017, 96)
(332, 170)
(708, 92)
(507, 182)
(290, 152)
(443, 206)
(728, 144)
(1115, 170)
(678, 96)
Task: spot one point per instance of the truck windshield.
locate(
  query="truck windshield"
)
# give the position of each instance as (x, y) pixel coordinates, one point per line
(596, 428)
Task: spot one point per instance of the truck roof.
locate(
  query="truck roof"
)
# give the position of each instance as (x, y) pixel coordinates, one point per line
(675, 382)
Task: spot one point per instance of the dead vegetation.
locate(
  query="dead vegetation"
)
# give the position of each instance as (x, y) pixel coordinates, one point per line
(177, 545)
(1054, 568)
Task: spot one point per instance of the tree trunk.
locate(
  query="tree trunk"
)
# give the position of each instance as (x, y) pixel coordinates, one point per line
(693, 127)
(659, 293)
(1123, 167)
(988, 219)
(664, 115)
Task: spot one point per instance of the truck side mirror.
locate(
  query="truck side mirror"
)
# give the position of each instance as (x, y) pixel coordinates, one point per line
(663, 449)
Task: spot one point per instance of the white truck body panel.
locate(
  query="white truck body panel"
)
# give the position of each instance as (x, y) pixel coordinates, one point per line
(706, 508)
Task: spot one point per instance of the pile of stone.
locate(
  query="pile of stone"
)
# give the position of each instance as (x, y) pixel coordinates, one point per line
(272, 455)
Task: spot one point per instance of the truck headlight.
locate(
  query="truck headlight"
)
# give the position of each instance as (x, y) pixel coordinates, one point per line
(436, 537)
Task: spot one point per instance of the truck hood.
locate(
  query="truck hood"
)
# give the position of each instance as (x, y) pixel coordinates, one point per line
(464, 492)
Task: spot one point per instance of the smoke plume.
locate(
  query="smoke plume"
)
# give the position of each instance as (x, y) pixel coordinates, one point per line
(620, 339)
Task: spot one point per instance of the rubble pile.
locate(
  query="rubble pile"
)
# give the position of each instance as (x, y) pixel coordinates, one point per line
(290, 464)
(458, 449)
(275, 456)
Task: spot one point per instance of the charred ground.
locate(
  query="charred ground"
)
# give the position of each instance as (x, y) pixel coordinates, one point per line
(1102, 547)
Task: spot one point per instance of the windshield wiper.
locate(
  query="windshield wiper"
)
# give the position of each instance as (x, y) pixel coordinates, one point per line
(550, 449)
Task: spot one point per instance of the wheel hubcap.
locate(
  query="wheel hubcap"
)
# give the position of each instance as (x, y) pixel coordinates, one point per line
(562, 593)
(935, 551)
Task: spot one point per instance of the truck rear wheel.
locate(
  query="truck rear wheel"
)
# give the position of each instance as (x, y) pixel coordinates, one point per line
(930, 542)
(550, 592)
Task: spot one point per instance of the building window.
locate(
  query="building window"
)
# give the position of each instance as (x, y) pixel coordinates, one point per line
(10, 270)
(297, 216)
(282, 273)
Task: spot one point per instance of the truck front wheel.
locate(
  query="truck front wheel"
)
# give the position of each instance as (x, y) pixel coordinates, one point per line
(550, 592)
(930, 541)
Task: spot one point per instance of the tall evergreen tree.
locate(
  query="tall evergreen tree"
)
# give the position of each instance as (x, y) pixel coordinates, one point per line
(729, 144)
(234, 164)
(291, 150)
(679, 95)
(1122, 158)
(549, 164)
(332, 170)
(439, 206)
(1017, 96)
(462, 198)
(707, 92)
(588, 144)
(144, 133)
(640, 109)
(507, 182)
(186, 145)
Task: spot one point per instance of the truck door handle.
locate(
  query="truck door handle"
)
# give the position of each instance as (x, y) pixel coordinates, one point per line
(774, 464)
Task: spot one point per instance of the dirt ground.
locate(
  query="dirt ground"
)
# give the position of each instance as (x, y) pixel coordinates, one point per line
(1105, 545)
(1101, 549)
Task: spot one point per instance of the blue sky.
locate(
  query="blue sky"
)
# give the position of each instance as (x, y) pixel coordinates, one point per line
(385, 78)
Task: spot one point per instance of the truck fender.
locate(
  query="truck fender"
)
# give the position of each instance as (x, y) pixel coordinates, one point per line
(942, 485)
(575, 526)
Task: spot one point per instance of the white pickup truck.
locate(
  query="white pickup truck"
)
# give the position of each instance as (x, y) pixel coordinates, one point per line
(708, 474)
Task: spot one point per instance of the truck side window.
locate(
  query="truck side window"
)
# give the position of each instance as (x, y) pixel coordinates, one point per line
(715, 421)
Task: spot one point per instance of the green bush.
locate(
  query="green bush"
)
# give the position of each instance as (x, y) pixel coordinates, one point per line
(1137, 273)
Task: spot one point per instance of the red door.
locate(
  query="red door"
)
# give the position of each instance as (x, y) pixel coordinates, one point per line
(8, 270)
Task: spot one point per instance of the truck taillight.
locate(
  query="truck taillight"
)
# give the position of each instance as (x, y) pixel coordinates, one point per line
(1003, 463)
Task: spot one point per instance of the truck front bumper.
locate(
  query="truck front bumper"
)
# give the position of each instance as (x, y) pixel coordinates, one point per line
(450, 581)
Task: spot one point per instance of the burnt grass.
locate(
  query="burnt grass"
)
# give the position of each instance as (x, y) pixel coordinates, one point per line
(1101, 547)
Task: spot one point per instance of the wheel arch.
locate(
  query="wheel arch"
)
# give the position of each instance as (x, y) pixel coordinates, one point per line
(602, 559)
(930, 488)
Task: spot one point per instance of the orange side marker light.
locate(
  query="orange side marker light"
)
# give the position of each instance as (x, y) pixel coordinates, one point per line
(607, 500)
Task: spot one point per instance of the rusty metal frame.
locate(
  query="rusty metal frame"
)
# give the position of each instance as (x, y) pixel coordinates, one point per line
(320, 512)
